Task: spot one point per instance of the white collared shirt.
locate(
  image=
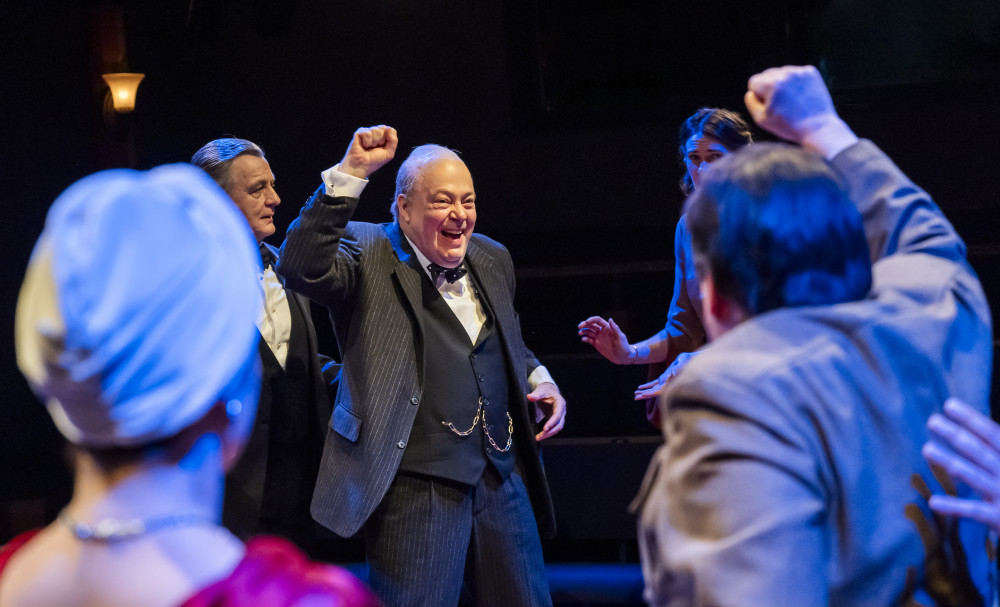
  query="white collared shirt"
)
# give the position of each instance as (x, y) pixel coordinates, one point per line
(274, 321)
(459, 296)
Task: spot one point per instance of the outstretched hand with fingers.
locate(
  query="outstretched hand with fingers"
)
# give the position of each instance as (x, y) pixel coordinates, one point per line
(654, 388)
(966, 444)
(606, 337)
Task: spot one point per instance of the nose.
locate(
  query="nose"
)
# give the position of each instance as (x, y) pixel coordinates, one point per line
(459, 212)
(273, 199)
(703, 166)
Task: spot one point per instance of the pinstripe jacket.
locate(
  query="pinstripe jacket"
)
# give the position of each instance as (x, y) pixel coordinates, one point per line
(368, 278)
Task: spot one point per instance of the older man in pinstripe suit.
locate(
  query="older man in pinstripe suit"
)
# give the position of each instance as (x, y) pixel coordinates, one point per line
(432, 446)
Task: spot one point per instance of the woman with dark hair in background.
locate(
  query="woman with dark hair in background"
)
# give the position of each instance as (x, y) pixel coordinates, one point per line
(706, 136)
(135, 326)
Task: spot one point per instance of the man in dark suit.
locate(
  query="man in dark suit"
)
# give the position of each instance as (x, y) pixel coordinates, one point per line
(270, 488)
(842, 313)
(432, 444)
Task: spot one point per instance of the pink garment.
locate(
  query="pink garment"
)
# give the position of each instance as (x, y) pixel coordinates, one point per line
(8, 549)
(276, 573)
(273, 573)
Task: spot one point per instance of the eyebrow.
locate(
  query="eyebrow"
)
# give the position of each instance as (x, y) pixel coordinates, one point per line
(450, 194)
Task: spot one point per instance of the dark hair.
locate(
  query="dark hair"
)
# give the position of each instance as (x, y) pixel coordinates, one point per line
(725, 125)
(109, 459)
(774, 226)
(216, 158)
(171, 449)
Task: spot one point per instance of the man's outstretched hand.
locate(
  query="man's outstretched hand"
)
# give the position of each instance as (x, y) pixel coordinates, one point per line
(547, 398)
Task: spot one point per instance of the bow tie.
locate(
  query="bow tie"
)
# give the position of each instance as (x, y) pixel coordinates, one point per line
(267, 258)
(450, 274)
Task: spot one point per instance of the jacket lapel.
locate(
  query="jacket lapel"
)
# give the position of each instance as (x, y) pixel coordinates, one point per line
(406, 271)
(497, 294)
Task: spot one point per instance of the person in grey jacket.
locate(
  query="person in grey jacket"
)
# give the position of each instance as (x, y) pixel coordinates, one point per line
(842, 313)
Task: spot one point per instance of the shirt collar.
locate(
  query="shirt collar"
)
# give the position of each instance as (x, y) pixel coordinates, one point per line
(458, 285)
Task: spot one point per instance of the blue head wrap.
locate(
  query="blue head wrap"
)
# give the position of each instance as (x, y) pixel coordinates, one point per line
(137, 310)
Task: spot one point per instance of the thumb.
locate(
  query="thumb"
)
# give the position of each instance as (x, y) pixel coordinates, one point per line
(535, 395)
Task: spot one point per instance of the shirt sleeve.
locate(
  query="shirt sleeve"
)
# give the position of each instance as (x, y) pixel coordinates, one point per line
(684, 328)
(342, 184)
(540, 376)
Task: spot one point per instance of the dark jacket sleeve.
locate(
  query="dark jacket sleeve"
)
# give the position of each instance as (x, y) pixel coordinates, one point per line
(319, 257)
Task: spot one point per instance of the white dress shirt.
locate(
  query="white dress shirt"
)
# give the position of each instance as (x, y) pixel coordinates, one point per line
(274, 321)
(459, 296)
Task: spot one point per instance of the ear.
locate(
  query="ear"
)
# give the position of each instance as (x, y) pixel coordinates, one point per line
(719, 312)
(402, 208)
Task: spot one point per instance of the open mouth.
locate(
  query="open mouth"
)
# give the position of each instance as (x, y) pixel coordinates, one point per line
(452, 235)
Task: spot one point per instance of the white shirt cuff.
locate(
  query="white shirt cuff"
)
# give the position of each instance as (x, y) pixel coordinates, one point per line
(342, 184)
(539, 376)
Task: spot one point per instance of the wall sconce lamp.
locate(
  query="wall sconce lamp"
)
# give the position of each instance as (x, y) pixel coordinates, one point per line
(123, 89)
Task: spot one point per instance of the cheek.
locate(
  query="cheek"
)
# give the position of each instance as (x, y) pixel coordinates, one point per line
(435, 221)
(251, 208)
(428, 229)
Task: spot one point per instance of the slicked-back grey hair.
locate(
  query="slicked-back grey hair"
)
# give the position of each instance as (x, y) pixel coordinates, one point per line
(216, 158)
(413, 167)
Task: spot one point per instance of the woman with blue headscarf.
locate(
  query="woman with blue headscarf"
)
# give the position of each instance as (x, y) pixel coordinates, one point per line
(135, 326)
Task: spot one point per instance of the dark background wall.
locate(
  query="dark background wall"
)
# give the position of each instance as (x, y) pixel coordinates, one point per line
(565, 112)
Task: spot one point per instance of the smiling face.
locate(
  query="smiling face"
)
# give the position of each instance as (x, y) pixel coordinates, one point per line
(701, 151)
(252, 189)
(439, 213)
